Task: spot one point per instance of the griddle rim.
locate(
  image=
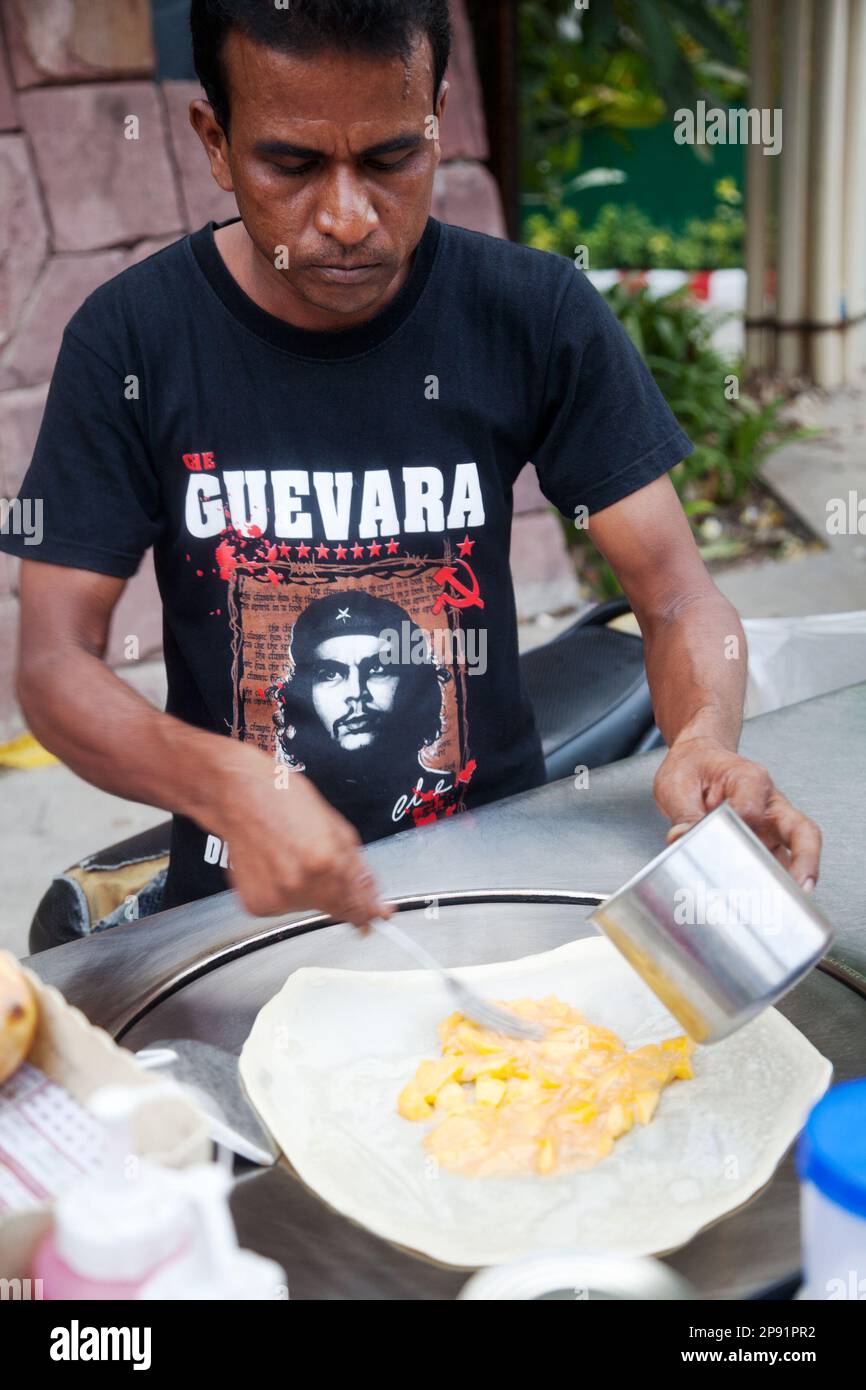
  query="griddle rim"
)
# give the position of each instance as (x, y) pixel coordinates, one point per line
(214, 960)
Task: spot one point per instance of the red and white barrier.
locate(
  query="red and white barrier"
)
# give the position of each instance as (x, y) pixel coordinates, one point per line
(720, 290)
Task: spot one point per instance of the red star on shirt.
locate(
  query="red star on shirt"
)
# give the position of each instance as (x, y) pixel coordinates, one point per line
(375, 549)
(357, 551)
(465, 547)
(286, 552)
(303, 551)
(322, 551)
(392, 547)
(341, 552)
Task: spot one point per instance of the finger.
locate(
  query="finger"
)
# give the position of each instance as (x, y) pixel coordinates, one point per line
(782, 855)
(750, 791)
(802, 837)
(361, 897)
(680, 795)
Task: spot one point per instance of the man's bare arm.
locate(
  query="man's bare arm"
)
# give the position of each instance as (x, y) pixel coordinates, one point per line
(289, 849)
(696, 661)
(695, 647)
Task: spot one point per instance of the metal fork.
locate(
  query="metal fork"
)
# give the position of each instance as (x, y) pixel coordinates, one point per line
(470, 1003)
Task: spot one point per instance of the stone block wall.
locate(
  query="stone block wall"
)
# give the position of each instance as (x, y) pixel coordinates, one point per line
(79, 202)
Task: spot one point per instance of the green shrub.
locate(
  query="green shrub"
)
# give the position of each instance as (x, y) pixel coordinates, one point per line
(732, 433)
(622, 237)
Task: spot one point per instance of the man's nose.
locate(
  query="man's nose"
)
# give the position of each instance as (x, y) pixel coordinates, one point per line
(344, 211)
(354, 686)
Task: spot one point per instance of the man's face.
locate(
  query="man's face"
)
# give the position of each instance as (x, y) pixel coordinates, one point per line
(353, 693)
(329, 156)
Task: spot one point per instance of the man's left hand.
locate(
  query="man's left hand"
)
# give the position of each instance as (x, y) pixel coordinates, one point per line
(699, 774)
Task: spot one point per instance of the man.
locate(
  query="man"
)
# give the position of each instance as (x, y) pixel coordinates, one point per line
(361, 703)
(334, 380)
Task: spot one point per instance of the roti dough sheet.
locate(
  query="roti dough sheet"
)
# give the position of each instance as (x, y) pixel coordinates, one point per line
(328, 1056)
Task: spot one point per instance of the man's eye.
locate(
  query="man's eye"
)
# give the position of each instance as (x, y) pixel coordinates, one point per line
(381, 167)
(297, 171)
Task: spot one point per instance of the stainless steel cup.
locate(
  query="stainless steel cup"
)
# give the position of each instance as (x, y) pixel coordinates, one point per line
(716, 927)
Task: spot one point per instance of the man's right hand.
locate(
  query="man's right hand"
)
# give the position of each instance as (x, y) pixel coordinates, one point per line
(288, 848)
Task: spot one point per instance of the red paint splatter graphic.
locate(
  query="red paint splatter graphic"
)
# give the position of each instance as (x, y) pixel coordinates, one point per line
(227, 559)
(434, 805)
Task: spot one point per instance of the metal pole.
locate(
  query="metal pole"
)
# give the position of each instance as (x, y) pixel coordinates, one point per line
(791, 277)
(828, 168)
(758, 343)
(855, 193)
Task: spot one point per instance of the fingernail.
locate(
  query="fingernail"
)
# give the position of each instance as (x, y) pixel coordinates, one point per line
(809, 886)
(677, 830)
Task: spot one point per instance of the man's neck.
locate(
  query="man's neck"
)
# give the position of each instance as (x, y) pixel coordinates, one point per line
(271, 291)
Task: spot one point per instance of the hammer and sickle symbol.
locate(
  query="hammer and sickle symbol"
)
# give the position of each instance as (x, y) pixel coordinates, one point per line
(461, 597)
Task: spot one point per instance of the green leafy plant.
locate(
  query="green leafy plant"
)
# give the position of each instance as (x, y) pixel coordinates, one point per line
(732, 433)
(622, 237)
(621, 64)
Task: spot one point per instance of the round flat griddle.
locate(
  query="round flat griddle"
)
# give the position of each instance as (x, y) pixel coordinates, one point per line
(328, 1257)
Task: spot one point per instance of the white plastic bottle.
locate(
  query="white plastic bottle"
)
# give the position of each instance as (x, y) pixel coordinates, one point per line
(113, 1231)
(214, 1266)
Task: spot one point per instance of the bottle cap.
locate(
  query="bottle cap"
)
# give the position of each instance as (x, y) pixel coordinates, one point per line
(831, 1153)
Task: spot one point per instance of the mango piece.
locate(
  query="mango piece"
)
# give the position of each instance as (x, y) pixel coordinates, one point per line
(679, 1052)
(432, 1076)
(546, 1159)
(497, 1064)
(412, 1105)
(489, 1091)
(645, 1104)
(476, 1039)
(503, 1105)
(452, 1097)
(582, 1111)
(619, 1120)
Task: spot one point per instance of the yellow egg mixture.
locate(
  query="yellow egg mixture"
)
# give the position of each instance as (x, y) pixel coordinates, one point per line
(508, 1105)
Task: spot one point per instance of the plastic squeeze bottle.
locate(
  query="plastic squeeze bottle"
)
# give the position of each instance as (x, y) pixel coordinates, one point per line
(116, 1228)
(214, 1266)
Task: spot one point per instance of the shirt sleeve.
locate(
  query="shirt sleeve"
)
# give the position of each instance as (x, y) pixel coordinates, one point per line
(605, 428)
(90, 495)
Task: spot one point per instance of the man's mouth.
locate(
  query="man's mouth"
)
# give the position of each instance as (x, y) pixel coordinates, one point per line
(347, 274)
(357, 724)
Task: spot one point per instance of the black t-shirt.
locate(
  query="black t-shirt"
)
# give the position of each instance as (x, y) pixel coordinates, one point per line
(331, 512)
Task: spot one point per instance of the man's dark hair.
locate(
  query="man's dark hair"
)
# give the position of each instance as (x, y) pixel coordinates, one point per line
(379, 28)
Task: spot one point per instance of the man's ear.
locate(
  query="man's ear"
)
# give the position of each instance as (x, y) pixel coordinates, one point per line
(213, 138)
(439, 112)
(443, 99)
